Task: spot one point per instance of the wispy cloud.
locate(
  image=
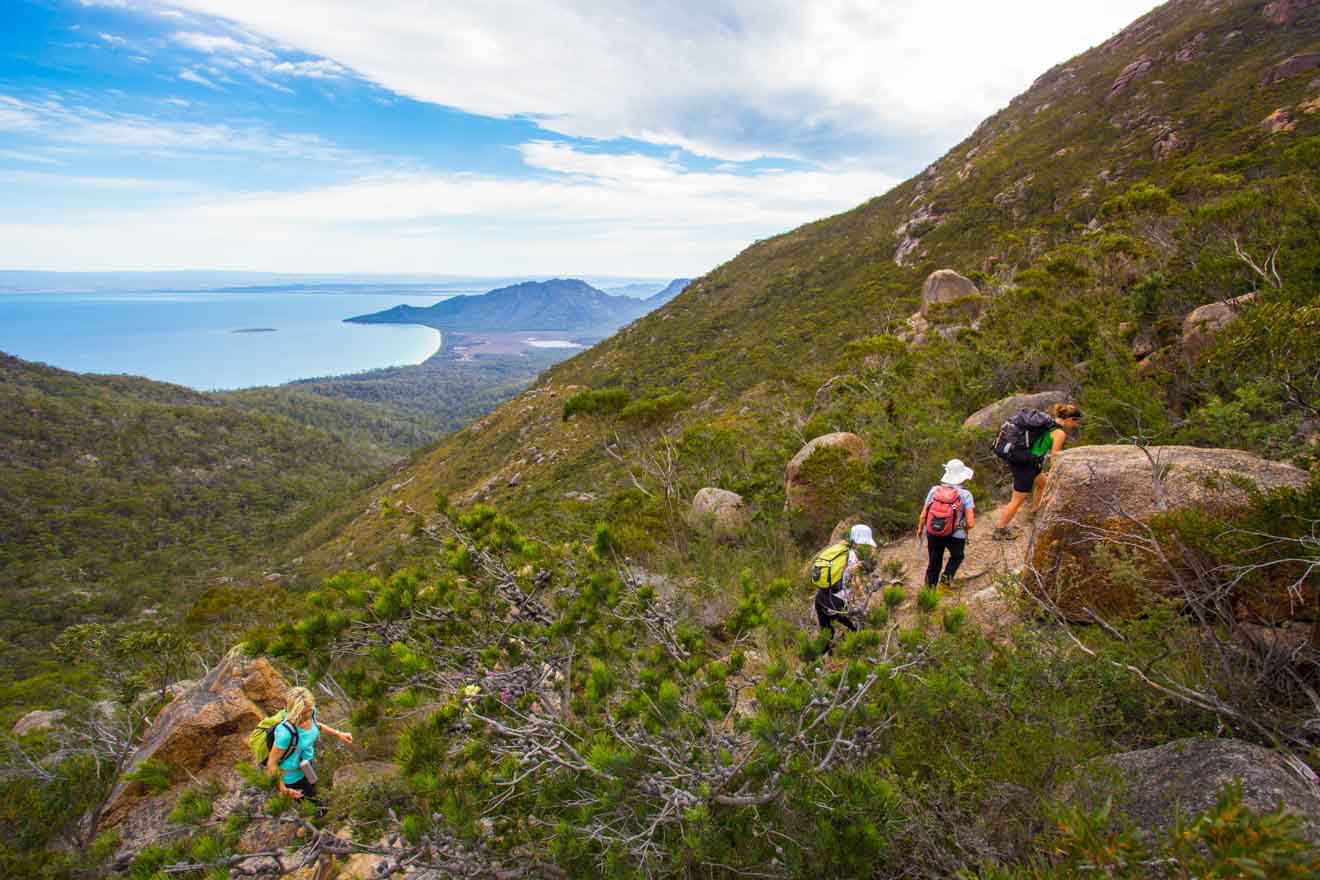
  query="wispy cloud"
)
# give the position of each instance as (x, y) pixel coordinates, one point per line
(193, 76)
(821, 80)
(56, 121)
(586, 211)
(23, 156)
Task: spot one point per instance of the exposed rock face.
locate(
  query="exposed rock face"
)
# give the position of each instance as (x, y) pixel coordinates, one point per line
(800, 494)
(1284, 11)
(1009, 198)
(205, 730)
(1190, 49)
(1099, 492)
(994, 414)
(1279, 121)
(1204, 323)
(1186, 775)
(1290, 67)
(719, 510)
(1134, 71)
(910, 232)
(41, 719)
(1167, 144)
(944, 286)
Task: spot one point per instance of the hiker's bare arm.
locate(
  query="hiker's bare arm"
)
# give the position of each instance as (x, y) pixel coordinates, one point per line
(971, 518)
(273, 759)
(921, 521)
(341, 734)
(1060, 436)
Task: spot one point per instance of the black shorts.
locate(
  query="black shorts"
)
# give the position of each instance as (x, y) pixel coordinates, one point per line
(1024, 475)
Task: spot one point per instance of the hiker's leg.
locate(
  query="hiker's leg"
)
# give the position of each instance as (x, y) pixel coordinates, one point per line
(957, 549)
(1006, 513)
(826, 623)
(1037, 487)
(935, 558)
(308, 790)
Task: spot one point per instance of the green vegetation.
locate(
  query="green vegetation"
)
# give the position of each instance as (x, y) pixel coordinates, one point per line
(123, 499)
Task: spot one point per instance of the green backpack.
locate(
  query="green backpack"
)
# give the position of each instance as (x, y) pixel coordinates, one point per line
(827, 568)
(262, 738)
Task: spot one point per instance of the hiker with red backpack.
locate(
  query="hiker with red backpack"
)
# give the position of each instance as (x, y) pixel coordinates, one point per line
(949, 512)
(1025, 442)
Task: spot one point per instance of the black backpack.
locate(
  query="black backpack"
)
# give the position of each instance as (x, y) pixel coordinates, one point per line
(1018, 434)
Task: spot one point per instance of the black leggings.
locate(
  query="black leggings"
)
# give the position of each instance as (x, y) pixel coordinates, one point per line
(829, 610)
(935, 547)
(308, 790)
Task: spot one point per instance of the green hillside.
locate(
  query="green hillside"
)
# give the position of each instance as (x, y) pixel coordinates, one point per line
(123, 499)
(1093, 213)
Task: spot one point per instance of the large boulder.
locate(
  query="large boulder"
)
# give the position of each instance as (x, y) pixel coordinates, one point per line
(720, 511)
(945, 289)
(1098, 494)
(40, 719)
(993, 415)
(1204, 323)
(1185, 777)
(204, 731)
(813, 493)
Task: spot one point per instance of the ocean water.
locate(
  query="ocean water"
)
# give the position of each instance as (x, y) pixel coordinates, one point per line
(212, 340)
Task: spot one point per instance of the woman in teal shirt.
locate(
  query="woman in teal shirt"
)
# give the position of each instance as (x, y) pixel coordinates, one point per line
(287, 756)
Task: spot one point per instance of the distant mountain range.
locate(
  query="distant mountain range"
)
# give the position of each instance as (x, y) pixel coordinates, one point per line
(564, 304)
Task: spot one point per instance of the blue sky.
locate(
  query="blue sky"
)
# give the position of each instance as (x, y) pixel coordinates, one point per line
(493, 138)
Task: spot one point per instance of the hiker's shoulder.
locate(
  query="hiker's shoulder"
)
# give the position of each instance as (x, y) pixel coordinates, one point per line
(283, 735)
(968, 498)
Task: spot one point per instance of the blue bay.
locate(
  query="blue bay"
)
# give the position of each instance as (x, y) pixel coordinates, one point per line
(206, 340)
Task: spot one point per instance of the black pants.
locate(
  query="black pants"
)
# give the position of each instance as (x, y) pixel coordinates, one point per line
(829, 610)
(935, 547)
(308, 790)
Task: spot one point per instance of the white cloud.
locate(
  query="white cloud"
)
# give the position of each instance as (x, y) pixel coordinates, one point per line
(24, 156)
(321, 69)
(57, 122)
(113, 40)
(733, 78)
(588, 212)
(195, 77)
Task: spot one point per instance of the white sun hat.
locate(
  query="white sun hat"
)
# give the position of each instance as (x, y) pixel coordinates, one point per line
(861, 534)
(956, 472)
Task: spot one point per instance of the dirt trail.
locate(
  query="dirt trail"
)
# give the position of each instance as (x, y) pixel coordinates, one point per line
(977, 584)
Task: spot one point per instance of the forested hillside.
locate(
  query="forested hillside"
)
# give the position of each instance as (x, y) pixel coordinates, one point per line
(123, 499)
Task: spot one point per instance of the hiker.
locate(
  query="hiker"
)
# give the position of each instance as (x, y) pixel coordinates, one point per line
(947, 516)
(297, 779)
(833, 569)
(1028, 477)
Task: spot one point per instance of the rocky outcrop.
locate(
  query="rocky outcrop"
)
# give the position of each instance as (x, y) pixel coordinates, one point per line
(949, 302)
(720, 511)
(1190, 49)
(1279, 121)
(1185, 777)
(1285, 11)
(1204, 323)
(993, 415)
(1099, 494)
(800, 494)
(1130, 74)
(1167, 143)
(40, 719)
(203, 732)
(1290, 67)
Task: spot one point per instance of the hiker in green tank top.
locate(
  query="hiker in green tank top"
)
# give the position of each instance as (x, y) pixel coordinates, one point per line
(294, 749)
(1029, 478)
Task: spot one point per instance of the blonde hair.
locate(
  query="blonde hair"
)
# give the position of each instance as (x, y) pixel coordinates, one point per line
(1067, 411)
(297, 703)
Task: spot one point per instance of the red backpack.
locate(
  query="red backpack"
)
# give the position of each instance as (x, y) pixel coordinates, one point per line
(944, 514)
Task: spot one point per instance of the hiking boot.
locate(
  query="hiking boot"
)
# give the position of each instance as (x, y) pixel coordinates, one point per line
(1004, 534)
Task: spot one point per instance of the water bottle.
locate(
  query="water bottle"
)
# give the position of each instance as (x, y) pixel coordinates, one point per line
(306, 767)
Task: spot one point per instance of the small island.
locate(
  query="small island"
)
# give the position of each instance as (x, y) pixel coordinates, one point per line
(254, 330)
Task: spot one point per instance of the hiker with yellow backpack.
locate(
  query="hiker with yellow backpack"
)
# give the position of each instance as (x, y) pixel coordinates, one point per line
(285, 744)
(832, 571)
